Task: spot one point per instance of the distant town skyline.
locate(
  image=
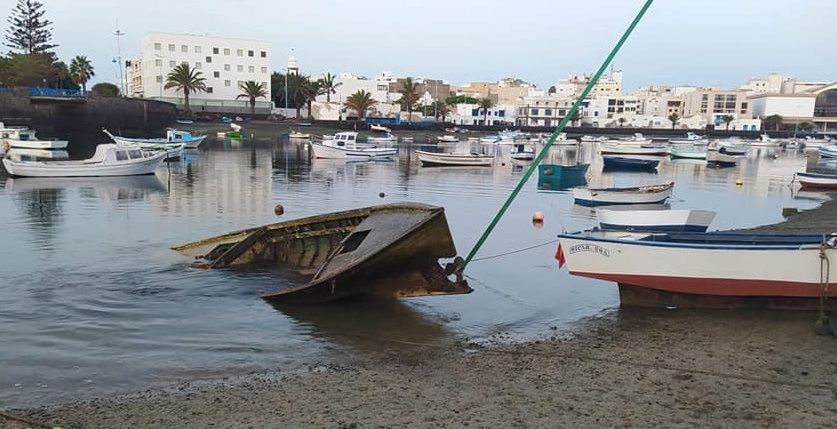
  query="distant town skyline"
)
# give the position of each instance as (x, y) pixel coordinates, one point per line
(707, 43)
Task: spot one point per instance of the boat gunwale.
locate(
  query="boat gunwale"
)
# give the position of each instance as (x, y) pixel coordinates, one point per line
(693, 245)
(647, 189)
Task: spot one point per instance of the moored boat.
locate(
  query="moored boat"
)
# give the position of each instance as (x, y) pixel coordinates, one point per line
(390, 250)
(828, 151)
(175, 139)
(23, 138)
(628, 163)
(447, 138)
(716, 270)
(764, 141)
(688, 152)
(344, 145)
(817, 180)
(721, 160)
(593, 139)
(690, 139)
(522, 152)
(294, 134)
(655, 220)
(633, 195)
(379, 128)
(109, 160)
(562, 140)
(438, 159)
(554, 177)
(618, 148)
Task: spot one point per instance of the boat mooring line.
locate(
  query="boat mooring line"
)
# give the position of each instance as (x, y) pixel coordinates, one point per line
(560, 128)
(516, 251)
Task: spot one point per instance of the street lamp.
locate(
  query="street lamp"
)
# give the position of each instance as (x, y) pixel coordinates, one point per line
(118, 35)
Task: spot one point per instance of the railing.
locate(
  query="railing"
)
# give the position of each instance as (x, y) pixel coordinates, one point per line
(55, 92)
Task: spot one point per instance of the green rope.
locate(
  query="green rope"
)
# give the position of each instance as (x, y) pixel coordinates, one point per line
(558, 130)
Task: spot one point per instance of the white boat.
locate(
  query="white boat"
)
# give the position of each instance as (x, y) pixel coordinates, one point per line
(636, 139)
(690, 139)
(710, 269)
(344, 145)
(298, 135)
(522, 152)
(22, 138)
(562, 140)
(688, 152)
(635, 195)
(731, 146)
(490, 139)
(380, 128)
(593, 139)
(109, 160)
(447, 138)
(829, 151)
(655, 220)
(764, 141)
(817, 180)
(174, 140)
(454, 159)
(618, 148)
(815, 143)
(721, 160)
(386, 138)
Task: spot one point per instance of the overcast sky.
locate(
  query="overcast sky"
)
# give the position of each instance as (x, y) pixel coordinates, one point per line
(698, 42)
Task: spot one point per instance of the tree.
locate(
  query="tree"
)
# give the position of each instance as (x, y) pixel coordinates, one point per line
(552, 90)
(41, 69)
(309, 90)
(485, 104)
(443, 109)
(251, 90)
(105, 89)
(186, 79)
(674, 117)
(806, 126)
(461, 99)
(29, 32)
(360, 102)
(409, 97)
(622, 121)
(329, 86)
(774, 121)
(727, 119)
(81, 70)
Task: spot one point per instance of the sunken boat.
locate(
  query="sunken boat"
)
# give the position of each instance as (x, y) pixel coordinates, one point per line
(391, 250)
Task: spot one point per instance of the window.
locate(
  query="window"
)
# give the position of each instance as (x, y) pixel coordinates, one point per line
(215, 51)
(216, 74)
(226, 51)
(239, 83)
(171, 47)
(197, 65)
(353, 241)
(239, 68)
(264, 85)
(121, 155)
(227, 83)
(383, 88)
(475, 112)
(208, 59)
(547, 112)
(158, 63)
(209, 90)
(239, 52)
(251, 69)
(159, 79)
(135, 153)
(263, 54)
(172, 63)
(158, 46)
(534, 112)
(184, 48)
(249, 53)
(226, 67)
(264, 69)
(501, 113)
(197, 49)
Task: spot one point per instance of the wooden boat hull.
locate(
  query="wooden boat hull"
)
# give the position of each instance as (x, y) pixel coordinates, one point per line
(655, 220)
(704, 272)
(390, 250)
(431, 159)
(817, 180)
(638, 195)
(623, 163)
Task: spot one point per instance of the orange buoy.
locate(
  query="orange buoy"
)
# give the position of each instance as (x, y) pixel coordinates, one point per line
(279, 210)
(538, 217)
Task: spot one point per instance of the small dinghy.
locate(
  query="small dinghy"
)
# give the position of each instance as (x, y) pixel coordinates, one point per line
(688, 152)
(298, 135)
(721, 160)
(23, 138)
(438, 159)
(624, 148)
(554, 177)
(655, 220)
(447, 138)
(522, 152)
(379, 128)
(390, 250)
(635, 195)
(345, 146)
(109, 160)
(174, 140)
(828, 151)
(628, 163)
(817, 180)
(690, 139)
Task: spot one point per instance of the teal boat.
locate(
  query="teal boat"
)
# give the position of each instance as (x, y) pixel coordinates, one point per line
(554, 177)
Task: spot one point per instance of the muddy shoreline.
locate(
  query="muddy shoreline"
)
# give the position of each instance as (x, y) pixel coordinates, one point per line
(627, 367)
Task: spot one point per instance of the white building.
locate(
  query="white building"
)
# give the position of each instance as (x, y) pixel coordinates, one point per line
(472, 114)
(572, 86)
(225, 64)
(786, 105)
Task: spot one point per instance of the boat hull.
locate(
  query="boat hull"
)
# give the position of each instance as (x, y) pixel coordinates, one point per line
(632, 149)
(641, 195)
(431, 159)
(636, 164)
(655, 220)
(814, 180)
(328, 152)
(37, 144)
(79, 169)
(700, 270)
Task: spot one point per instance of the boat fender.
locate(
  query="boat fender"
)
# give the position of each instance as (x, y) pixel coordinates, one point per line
(278, 210)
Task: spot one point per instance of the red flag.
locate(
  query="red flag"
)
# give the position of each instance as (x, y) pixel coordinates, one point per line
(559, 255)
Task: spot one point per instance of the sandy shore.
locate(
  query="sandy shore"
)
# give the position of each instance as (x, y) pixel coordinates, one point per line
(627, 368)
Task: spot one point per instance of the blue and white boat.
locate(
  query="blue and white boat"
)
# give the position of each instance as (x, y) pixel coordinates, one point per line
(629, 163)
(655, 220)
(635, 195)
(174, 139)
(829, 151)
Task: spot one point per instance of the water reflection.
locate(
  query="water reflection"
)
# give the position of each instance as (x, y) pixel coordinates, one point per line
(112, 189)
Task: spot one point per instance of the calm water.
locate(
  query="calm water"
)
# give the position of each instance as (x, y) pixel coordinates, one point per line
(93, 301)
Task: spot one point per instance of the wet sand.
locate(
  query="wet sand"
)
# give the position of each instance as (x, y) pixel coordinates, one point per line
(626, 368)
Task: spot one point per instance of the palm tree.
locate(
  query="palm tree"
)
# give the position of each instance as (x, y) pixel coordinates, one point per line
(329, 86)
(252, 90)
(485, 104)
(309, 91)
(443, 109)
(727, 119)
(674, 117)
(186, 79)
(409, 97)
(360, 102)
(81, 71)
(774, 121)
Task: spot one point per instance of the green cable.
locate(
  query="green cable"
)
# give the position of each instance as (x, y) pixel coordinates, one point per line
(558, 130)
